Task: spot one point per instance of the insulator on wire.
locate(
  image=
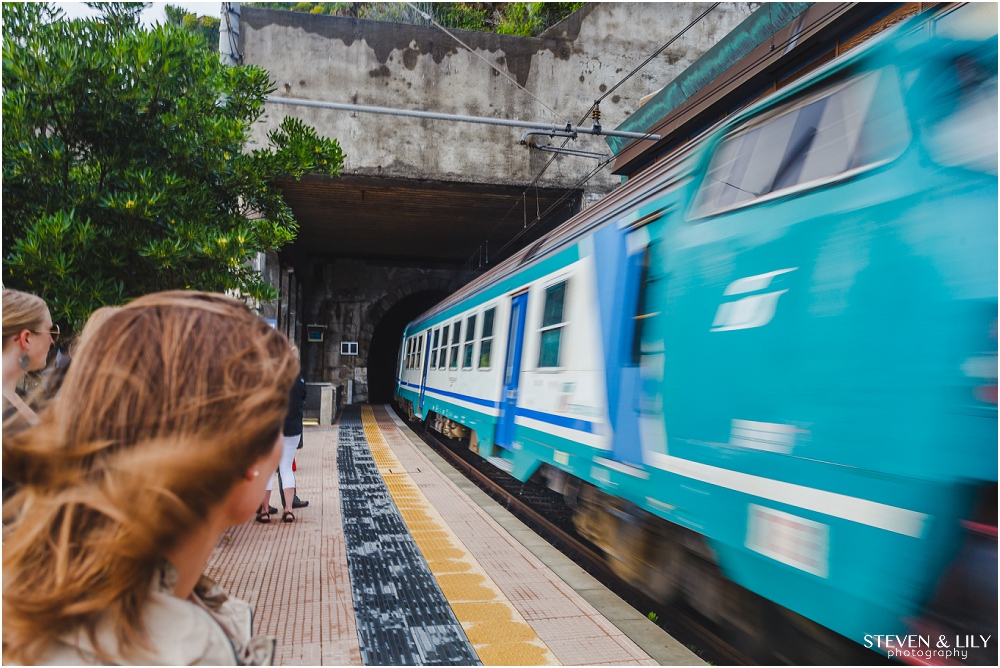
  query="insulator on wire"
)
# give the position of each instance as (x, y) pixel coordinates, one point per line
(596, 114)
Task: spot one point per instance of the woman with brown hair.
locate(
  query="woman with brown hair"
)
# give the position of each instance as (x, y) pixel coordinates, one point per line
(167, 428)
(52, 380)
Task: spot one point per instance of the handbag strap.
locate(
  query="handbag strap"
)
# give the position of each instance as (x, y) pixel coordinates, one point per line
(18, 403)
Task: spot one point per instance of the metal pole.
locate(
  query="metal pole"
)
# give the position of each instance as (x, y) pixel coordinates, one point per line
(546, 128)
(229, 34)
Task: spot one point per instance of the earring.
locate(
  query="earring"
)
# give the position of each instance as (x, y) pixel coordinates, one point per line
(25, 362)
(256, 474)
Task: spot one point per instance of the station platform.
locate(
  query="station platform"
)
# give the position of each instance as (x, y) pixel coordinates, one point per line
(400, 560)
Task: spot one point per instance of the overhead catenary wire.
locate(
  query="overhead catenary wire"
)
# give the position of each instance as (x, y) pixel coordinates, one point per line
(820, 23)
(655, 54)
(431, 20)
(596, 129)
(601, 165)
(579, 184)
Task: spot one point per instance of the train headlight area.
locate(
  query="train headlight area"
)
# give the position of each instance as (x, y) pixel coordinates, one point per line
(763, 376)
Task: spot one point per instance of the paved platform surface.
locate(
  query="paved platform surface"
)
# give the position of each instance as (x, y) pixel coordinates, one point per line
(517, 599)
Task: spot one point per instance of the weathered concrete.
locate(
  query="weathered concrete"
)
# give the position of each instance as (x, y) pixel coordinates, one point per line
(419, 67)
(326, 407)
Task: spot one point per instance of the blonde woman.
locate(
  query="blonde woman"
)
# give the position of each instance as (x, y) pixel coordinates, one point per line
(27, 336)
(167, 428)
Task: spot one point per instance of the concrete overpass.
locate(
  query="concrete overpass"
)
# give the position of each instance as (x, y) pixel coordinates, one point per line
(421, 202)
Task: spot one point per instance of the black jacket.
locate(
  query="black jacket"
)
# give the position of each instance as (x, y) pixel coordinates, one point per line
(296, 399)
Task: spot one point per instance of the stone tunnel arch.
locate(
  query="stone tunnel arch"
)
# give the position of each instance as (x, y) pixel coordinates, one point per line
(384, 347)
(379, 309)
(388, 318)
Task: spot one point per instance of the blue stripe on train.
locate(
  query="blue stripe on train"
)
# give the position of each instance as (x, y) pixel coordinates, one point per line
(557, 420)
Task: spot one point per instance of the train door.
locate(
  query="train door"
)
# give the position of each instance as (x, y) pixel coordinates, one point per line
(423, 373)
(512, 370)
(619, 258)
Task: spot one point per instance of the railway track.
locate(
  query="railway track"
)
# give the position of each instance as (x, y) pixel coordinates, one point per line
(545, 513)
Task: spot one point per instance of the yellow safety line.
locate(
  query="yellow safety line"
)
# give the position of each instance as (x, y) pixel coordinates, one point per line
(493, 625)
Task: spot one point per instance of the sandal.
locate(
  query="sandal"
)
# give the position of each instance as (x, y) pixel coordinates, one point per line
(263, 516)
(273, 510)
(288, 516)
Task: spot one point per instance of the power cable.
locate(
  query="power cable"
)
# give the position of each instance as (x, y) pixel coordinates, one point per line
(655, 54)
(820, 23)
(512, 207)
(431, 20)
(579, 184)
(827, 18)
(597, 102)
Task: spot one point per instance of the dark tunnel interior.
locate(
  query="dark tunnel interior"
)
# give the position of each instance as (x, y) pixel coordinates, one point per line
(385, 342)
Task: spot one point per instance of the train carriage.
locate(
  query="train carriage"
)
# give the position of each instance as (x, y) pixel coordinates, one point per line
(770, 364)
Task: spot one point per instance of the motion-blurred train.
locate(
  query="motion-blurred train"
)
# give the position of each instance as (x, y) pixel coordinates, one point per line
(765, 373)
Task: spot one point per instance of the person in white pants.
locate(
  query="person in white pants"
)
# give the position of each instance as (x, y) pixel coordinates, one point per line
(292, 434)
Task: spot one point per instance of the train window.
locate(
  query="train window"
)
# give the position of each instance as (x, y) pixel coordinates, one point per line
(470, 341)
(964, 132)
(456, 332)
(552, 325)
(420, 350)
(434, 348)
(409, 346)
(642, 312)
(442, 361)
(486, 344)
(842, 128)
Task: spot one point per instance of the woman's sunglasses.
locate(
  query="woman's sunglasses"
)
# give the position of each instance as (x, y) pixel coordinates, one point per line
(54, 333)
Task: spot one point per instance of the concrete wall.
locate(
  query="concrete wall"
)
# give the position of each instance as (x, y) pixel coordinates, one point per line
(419, 67)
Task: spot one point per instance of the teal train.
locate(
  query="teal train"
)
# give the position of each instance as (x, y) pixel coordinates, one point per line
(764, 372)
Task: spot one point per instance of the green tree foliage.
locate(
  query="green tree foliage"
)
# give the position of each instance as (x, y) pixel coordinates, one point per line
(508, 18)
(124, 170)
(206, 26)
(466, 16)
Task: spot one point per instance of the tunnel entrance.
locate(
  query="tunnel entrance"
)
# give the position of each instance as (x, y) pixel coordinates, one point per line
(384, 349)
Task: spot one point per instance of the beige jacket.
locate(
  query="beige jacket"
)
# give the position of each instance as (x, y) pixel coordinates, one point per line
(209, 628)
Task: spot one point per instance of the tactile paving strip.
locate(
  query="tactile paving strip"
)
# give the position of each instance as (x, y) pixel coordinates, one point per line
(497, 631)
(402, 616)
